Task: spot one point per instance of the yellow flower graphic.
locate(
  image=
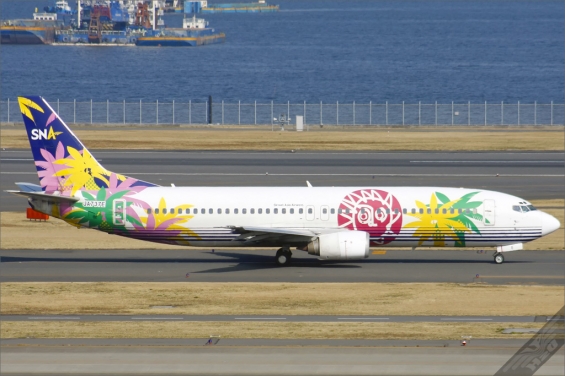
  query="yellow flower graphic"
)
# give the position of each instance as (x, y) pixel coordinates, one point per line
(82, 170)
(437, 221)
(169, 222)
(25, 104)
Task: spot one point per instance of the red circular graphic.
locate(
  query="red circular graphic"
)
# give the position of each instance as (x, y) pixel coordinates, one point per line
(374, 211)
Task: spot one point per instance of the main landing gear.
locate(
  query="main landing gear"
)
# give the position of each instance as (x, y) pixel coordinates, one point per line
(498, 258)
(283, 257)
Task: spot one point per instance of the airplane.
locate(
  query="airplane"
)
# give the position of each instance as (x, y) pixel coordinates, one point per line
(332, 223)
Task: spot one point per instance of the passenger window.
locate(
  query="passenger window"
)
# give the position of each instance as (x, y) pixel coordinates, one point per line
(429, 211)
(252, 211)
(259, 211)
(387, 211)
(164, 210)
(187, 211)
(413, 211)
(179, 211)
(210, 211)
(172, 211)
(243, 211)
(332, 211)
(284, 210)
(421, 211)
(194, 211)
(396, 210)
(310, 211)
(227, 211)
(235, 211)
(292, 211)
(444, 211)
(460, 211)
(219, 211)
(451, 211)
(148, 211)
(301, 211)
(202, 211)
(267, 211)
(339, 211)
(436, 211)
(325, 211)
(275, 211)
(156, 210)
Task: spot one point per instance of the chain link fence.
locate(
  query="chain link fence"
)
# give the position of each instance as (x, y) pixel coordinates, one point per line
(336, 114)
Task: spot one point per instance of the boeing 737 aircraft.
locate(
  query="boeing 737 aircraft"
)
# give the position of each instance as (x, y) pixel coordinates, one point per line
(332, 223)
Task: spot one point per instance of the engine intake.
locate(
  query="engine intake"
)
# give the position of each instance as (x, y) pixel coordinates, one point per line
(343, 245)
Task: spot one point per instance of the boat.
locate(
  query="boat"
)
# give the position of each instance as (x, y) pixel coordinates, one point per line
(194, 32)
(61, 8)
(39, 30)
(202, 6)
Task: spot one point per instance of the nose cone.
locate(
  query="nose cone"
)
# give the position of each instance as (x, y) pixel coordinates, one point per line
(549, 224)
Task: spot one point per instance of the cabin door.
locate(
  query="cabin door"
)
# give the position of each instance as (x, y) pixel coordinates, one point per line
(488, 212)
(119, 215)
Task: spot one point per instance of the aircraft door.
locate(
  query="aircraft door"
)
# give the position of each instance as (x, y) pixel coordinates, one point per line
(119, 215)
(310, 212)
(488, 212)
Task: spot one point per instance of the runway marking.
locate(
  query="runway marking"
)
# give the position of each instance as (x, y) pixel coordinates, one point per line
(363, 318)
(486, 161)
(157, 318)
(17, 159)
(275, 174)
(378, 252)
(455, 319)
(53, 318)
(259, 318)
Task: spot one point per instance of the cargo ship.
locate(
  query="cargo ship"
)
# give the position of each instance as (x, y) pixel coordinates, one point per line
(39, 30)
(202, 6)
(194, 32)
(61, 8)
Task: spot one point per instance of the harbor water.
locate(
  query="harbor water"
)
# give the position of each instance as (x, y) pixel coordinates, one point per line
(342, 50)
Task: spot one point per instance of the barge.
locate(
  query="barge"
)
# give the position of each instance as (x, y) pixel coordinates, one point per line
(194, 32)
(202, 6)
(39, 30)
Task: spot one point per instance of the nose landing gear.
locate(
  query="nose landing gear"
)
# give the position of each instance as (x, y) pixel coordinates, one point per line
(283, 257)
(498, 258)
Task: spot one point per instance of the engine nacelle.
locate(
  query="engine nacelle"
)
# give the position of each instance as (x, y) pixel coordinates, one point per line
(342, 245)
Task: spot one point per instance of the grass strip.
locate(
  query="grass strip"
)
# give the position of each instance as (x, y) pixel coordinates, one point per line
(270, 330)
(200, 298)
(357, 139)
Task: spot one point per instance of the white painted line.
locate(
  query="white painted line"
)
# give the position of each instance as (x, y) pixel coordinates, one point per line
(17, 159)
(363, 318)
(157, 318)
(454, 319)
(486, 161)
(259, 318)
(54, 318)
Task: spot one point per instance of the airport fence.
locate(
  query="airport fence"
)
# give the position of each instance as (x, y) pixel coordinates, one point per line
(322, 113)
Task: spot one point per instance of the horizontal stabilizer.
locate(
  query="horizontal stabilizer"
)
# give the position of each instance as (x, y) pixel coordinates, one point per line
(45, 197)
(29, 187)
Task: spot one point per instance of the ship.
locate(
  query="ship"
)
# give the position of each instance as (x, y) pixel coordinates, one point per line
(202, 6)
(39, 30)
(61, 8)
(194, 32)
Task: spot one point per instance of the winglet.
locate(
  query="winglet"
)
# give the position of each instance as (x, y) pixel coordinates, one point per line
(308, 184)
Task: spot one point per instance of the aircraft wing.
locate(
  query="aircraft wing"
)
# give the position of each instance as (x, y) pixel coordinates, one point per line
(253, 234)
(45, 197)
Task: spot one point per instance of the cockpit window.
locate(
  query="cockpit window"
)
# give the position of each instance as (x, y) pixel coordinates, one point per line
(525, 208)
(516, 208)
(532, 207)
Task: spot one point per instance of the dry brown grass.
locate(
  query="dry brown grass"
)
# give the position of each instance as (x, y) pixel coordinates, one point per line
(47, 235)
(271, 330)
(333, 138)
(279, 298)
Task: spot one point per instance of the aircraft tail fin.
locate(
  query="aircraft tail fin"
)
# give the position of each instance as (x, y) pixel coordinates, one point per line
(63, 163)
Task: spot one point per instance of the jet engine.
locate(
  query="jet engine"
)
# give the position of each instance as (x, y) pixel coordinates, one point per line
(343, 245)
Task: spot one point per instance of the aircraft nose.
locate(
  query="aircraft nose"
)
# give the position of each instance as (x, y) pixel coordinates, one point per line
(549, 224)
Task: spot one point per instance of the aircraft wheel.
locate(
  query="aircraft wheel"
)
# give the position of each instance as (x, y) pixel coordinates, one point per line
(498, 258)
(283, 257)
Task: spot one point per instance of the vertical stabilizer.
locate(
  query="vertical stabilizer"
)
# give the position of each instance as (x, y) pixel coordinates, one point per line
(63, 163)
